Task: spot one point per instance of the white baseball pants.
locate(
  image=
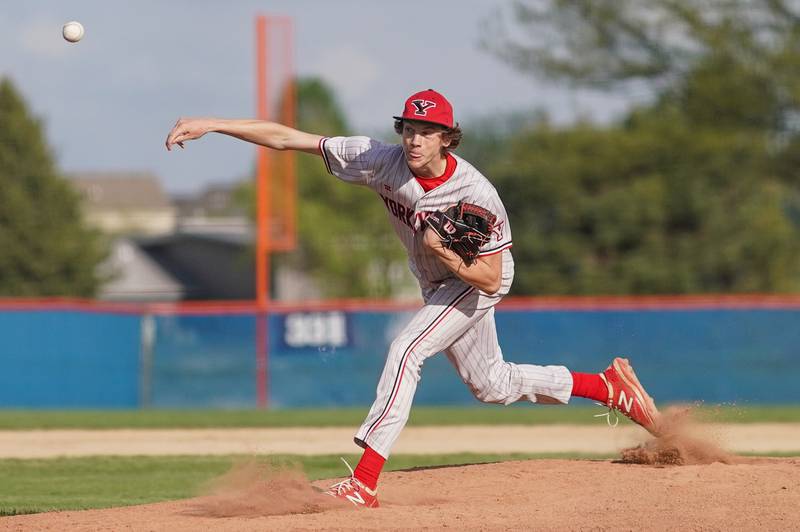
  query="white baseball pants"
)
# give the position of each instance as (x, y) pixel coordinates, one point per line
(458, 320)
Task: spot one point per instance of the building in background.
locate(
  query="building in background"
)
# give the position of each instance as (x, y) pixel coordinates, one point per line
(214, 201)
(134, 276)
(214, 211)
(125, 203)
(192, 247)
(127, 206)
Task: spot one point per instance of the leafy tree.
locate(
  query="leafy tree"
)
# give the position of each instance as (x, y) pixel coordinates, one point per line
(45, 250)
(344, 240)
(649, 206)
(695, 192)
(603, 43)
(487, 139)
(696, 46)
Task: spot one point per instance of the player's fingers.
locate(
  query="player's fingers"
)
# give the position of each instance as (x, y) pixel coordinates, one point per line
(180, 128)
(181, 137)
(172, 137)
(182, 131)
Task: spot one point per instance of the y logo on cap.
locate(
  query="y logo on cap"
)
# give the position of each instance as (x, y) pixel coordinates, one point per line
(422, 106)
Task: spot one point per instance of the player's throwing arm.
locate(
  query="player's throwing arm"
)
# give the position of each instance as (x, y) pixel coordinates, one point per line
(269, 134)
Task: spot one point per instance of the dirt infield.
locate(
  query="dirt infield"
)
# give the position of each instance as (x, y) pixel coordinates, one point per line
(686, 479)
(754, 494)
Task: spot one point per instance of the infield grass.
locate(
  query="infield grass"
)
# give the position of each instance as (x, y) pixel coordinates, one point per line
(32, 486)
(350, 417)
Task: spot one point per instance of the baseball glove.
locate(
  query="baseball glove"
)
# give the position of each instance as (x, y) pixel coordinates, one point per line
(463, 228)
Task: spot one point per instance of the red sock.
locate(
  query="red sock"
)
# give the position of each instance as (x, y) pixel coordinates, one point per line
(369, 468)
(589, 385)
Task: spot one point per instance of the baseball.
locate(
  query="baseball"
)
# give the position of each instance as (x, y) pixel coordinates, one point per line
(72, 31)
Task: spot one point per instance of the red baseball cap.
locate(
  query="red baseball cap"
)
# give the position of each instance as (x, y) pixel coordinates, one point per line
(428, 106)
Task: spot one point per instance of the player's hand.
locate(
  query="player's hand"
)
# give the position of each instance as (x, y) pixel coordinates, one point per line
(187, 129)
(432, 241)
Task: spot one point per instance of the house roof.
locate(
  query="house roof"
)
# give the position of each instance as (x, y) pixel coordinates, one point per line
(135, 276)
(121, 190)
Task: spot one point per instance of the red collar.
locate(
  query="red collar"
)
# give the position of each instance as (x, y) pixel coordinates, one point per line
(429, 183)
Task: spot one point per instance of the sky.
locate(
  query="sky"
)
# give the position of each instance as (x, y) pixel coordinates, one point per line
(109, 101)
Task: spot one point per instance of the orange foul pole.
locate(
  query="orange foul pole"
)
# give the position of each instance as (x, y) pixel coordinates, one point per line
(262, 220)
(289, 118)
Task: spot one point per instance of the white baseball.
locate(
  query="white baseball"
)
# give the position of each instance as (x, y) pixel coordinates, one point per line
(72, 31)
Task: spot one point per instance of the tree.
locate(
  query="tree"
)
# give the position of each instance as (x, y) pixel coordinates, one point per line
(695, 192)
(45, 249)
(649, 206)
(607, 42)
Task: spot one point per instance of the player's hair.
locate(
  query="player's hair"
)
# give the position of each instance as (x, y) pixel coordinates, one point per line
(452, 133)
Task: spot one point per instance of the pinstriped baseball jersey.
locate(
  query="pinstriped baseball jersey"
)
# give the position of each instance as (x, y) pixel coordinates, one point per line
(383, 168)
(457, 319)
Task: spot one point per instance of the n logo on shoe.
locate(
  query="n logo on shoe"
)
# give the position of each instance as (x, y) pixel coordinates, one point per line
(355, 498)
(624, 402)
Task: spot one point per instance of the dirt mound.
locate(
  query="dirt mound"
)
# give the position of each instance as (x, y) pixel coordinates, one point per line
(761, 494)
(683, 441)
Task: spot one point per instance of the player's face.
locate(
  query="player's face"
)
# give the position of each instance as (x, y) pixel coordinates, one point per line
(422, 145)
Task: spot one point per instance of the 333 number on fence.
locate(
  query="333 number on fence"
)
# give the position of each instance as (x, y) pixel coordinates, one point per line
(315, 329)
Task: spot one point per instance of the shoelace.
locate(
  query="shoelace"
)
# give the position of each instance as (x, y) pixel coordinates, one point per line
(347, 483)
(606, 415)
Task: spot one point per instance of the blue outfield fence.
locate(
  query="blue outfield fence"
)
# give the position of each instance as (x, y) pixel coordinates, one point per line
(739, 351)
(69, 359)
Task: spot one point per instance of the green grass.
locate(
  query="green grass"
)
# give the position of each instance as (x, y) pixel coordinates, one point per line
(349, 417)
(31, 486)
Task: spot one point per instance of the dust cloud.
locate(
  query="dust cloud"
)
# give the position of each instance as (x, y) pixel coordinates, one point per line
(252, 489)
(683, 440)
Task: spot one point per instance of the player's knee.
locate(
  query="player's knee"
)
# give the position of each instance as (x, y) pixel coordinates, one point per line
(489, 395)
(398, 347)
(401, 348)
(483, 394)
(495, 387)
(404, 346)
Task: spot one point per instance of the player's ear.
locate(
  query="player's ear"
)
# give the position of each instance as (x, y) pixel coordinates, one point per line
(446, 139)
(453, 136)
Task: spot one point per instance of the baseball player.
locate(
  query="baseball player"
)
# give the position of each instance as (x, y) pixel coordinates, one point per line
(457, 234)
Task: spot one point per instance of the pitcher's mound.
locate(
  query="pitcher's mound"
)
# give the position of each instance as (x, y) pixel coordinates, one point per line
(756, 494)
